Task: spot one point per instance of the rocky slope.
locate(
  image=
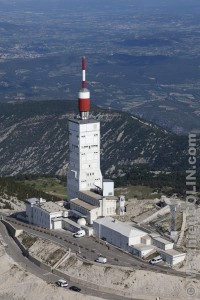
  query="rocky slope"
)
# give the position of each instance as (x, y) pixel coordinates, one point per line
(34, 139)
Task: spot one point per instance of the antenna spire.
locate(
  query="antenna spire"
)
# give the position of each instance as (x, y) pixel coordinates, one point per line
(84, 95)
(83, 72)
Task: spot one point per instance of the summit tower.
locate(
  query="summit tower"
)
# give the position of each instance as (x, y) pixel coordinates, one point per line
(84, 171)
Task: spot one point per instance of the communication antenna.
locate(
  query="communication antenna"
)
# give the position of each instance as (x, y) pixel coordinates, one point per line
(173, 212)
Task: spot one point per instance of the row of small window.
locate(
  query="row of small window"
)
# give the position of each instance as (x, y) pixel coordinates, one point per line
(85, 153)
(92, 146)
(89, 184)
(83, 136)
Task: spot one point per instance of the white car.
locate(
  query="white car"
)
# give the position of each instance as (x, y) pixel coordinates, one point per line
(155, 260)
(79, 233)
(101, 260)
(62, 283)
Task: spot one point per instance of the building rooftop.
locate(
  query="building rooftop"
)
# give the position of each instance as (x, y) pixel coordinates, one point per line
(92, 194)
(83, 204)
(120, 227)
(35, 200)
(164, 241)
(154, 235)
(172, 252)
(111, 197)
(51, 207)
(108, 180)
(142, 247)
(97, 196)
(32, 200)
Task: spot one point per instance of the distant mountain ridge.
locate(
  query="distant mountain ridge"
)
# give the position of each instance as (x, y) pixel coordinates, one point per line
(34, 139)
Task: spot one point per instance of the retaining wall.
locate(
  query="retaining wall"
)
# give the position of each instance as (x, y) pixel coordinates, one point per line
(64, 275)
(12, 231)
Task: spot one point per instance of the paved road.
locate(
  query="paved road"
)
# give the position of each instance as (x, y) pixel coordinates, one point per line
(91, 248)
(13, 251)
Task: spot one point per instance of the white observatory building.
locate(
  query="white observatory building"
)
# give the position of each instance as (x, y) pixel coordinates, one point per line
(89, 195)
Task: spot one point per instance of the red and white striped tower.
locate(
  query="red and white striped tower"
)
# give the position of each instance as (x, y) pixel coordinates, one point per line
(84, 95)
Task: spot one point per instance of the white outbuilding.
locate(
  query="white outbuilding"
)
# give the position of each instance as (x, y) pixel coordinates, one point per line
(172, 256)
(117, 233)
(45, 214)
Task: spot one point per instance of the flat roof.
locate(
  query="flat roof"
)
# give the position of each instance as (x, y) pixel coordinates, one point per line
(162, 240)
(32, 200)
(92, 194)
(120, 227)
(97, 196)
(51, 207)
(154, 235)
(141, 247)
(57, 219)
(83, 204)
(111, 197)
(172, 252)
(108, 180)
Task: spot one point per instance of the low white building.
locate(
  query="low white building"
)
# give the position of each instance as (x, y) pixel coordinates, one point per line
(45, 214)
(141, 250)
(172, 257)
(161, 243)
(117, 233)
(135, 241)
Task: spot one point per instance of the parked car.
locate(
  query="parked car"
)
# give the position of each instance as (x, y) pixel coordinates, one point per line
(101, 260)
(62, 283)
(79, 233)
(74, 288)
(155, 260)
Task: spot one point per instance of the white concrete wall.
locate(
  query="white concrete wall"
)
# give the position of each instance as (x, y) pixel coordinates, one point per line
(172, 259)
(162, 245)
(57, 224)
(145, 252)
(108, 207)
(169, 246)
(41, 217)
(178, 259)
(108, 188)
(135, 240)
(111, 236)
(84, 158)
(94, 215)
(146, 240)
(29, 212)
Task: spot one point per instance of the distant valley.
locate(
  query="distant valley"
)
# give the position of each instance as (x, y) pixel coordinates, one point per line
(143, 56)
